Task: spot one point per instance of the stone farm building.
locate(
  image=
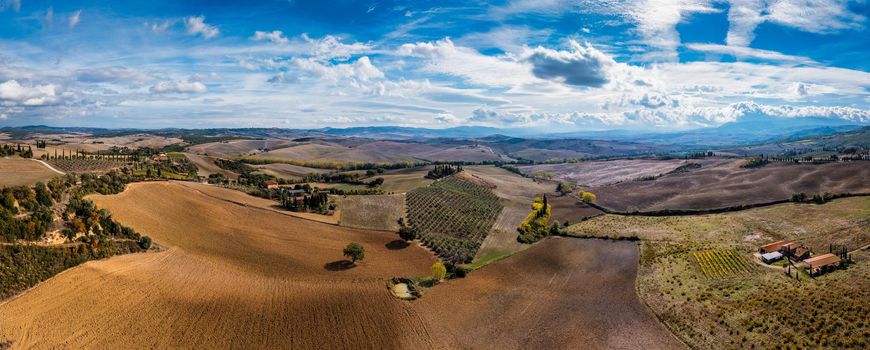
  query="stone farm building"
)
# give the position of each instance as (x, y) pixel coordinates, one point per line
(773, 247)
(269, 184)
(822, 263)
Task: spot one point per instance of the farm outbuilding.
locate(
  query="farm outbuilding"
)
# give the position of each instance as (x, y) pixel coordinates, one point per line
(771, 257)
(800, 253)
(822, 263)
(269, 184)
(773, 247)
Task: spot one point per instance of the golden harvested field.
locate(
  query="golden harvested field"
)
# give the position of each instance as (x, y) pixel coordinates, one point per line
(550, 296)
(206, 166)
(404, 180)
(231, 276)
(18, 171)
(237, 147)
(373, 212)
(288, 171)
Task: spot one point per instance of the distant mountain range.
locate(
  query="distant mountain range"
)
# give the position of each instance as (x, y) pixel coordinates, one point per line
(748, 129)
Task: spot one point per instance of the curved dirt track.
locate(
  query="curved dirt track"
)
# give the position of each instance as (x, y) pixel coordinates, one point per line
(563, 293)
(232, 277)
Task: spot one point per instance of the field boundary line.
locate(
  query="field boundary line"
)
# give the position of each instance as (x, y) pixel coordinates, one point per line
(646, 305)
(49, 166)
(693, 212)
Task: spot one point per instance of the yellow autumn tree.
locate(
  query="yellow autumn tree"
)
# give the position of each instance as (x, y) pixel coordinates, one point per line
(587, 196)
(438, 271)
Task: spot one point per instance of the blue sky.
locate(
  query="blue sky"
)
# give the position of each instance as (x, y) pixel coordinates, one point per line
(547, 65)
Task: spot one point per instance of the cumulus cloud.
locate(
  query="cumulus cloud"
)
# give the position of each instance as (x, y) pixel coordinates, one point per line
(331, 47)
(447, 118)
(14, 5)
(197, 26)
(275, 36)
(362, 69)
(582, 66)
(74, 19)
(179, 87)
(13, 94)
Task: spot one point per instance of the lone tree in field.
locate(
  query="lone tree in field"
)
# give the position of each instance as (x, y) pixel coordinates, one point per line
(355, 252)
(407, 233)
(587, 197)
(439, 271)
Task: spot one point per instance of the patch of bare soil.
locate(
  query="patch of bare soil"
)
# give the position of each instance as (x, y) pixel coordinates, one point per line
(726, 184)
(560, 293)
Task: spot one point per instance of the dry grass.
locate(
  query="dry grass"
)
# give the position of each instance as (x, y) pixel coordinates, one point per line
(761, 308)
(232, 277)
(378, 212)
(404, 180)
(18, 172)
(287, 171)
(842, 221)
(548, 296)
(205, 166)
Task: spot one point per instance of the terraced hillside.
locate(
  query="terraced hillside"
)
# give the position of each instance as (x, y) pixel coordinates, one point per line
(453, 215)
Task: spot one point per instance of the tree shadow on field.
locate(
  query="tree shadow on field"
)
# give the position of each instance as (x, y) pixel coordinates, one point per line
(339, 265)
(397, 244)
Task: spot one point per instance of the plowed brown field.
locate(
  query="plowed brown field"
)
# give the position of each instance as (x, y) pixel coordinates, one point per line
(725, 184)
(563, 293)
(232, 276)
(236, 274)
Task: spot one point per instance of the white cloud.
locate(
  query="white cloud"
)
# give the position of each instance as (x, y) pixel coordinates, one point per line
(331, 47)
(179, 87)
(14, 5)
(159, 27)
(111, 74)
(747, 52)
(197, 26)
(506, 38)
(75, 18)
(447, 118)
(582, 66)
(14, 94)
(275, 36)
(444, 57)
(815, 16)
(743, 17)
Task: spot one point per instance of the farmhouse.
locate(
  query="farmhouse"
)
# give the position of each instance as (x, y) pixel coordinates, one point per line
(773, 247)
(800, 253)
(160, 157)
(269, 184)
(822, 263)
(771, 257)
